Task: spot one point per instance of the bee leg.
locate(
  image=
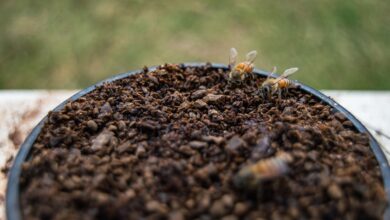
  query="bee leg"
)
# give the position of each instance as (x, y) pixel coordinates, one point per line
(263, 94)
(252, 76)
(242, 79)
(285, 91)
(279, 94)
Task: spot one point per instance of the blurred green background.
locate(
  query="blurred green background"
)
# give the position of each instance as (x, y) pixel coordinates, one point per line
(73, 44)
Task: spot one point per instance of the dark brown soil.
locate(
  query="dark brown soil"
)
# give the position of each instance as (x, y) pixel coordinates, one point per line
(168, 144)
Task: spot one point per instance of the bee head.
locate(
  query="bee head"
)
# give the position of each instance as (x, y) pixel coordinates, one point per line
(265, 90)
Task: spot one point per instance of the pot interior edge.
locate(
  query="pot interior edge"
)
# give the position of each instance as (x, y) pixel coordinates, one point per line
(375, 147)
(12, 204)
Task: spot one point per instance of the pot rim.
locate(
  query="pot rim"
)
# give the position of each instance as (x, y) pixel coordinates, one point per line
(12, 201)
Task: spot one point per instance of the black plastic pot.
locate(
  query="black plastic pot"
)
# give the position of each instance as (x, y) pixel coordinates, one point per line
(13, 209)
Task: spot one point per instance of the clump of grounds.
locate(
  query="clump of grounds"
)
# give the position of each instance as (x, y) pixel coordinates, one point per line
(166, 144)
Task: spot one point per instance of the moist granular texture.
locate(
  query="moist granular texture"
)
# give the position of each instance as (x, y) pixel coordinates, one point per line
(168, 144)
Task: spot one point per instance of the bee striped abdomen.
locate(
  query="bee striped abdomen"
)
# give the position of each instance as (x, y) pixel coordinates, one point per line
(250, 176)
(270, 168)
(248, 68)
(284, 83)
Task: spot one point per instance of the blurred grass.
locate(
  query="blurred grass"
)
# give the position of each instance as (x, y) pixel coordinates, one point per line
(73, 44)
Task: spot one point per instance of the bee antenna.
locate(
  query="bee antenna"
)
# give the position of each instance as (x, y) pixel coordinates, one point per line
(274, 69)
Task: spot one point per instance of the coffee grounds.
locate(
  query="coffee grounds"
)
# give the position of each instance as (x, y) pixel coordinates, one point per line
(168, 144)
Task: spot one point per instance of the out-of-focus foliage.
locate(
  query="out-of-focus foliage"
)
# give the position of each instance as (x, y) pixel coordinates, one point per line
(72, 44)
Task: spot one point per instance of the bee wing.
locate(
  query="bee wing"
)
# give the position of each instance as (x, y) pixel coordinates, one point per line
(286, 73)
(289, 72)
(233, 57)
(274, 69)
(251, 56)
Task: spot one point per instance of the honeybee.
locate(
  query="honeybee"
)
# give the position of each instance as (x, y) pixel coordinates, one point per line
(272, 85)
(250, 176)
(241, 70)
